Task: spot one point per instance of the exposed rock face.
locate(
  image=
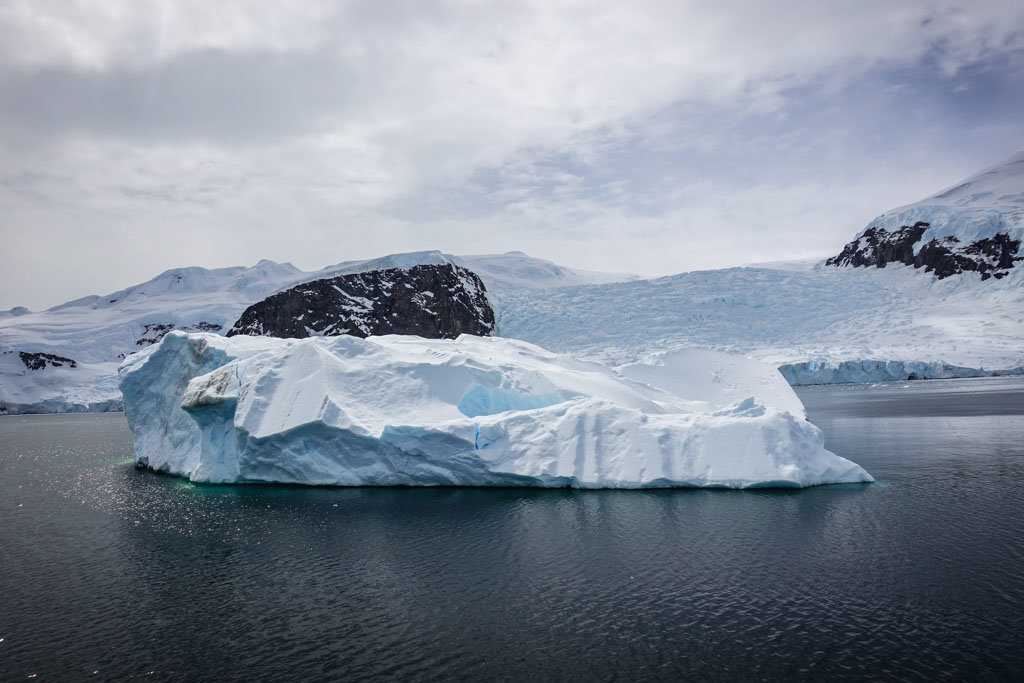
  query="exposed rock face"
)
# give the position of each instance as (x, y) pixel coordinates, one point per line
(433, 301)
(879, 247)
(991, 256)
(154, 332)
(39, 361)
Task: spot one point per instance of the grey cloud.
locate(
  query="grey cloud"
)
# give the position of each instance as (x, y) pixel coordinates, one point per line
(655, 137)
(245, 97)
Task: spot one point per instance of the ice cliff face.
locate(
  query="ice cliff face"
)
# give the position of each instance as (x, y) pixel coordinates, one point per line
(976, 225)
(399, 410)
(870, 371)
(433, 301)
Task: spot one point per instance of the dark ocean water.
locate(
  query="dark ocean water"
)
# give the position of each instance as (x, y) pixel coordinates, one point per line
(112, 573)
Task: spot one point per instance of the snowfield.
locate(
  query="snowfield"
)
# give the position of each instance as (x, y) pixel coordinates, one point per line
(399, 410)
(782, 316)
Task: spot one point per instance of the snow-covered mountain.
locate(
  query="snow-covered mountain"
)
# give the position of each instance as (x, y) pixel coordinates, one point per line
(98, 331)
(976, 225)
(827, 323)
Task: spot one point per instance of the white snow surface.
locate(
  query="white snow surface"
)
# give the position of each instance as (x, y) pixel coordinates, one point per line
(981, 206)
(782, 316)
(400, 410)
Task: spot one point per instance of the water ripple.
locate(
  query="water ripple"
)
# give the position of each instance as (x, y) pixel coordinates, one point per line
(134, 575)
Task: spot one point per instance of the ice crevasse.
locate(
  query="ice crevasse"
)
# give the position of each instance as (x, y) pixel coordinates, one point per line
(475, 411)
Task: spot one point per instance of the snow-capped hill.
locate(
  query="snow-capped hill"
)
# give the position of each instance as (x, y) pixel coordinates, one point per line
(975, 225)
(984, 205)
(245, 281)
(15, 312)
(999, 185)
(513, 269)
(97, 332)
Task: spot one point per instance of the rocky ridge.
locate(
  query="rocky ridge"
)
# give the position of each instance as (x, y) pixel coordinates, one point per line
(436, 301)
(944, 256)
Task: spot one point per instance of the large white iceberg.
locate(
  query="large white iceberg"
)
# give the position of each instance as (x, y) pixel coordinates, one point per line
(472, 411)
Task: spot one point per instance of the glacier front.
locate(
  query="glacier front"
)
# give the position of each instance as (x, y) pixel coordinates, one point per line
(474, 411)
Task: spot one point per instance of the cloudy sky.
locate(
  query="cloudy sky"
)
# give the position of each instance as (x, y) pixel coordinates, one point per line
(650, 137)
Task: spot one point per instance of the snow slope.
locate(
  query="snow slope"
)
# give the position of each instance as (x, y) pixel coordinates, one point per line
(981, 206)
(402, 410)
(97, 331)
(975, 226)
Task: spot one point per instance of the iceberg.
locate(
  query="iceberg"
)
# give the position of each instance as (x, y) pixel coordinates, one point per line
(474, 411)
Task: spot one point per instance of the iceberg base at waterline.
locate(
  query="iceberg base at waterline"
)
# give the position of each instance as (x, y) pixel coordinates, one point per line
(473, 411)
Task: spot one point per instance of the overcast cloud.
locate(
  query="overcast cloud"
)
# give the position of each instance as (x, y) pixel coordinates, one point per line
(652, 137)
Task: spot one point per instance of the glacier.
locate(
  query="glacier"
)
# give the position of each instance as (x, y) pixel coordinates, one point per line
(480, 411)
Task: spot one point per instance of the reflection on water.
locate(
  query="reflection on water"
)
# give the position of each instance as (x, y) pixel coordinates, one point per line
(105, 568)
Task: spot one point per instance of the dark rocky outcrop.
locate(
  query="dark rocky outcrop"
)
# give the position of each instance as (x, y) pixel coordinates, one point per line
(154, 332)
(991, 256)
(40, 361)
(879, 247)
(433, 301)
